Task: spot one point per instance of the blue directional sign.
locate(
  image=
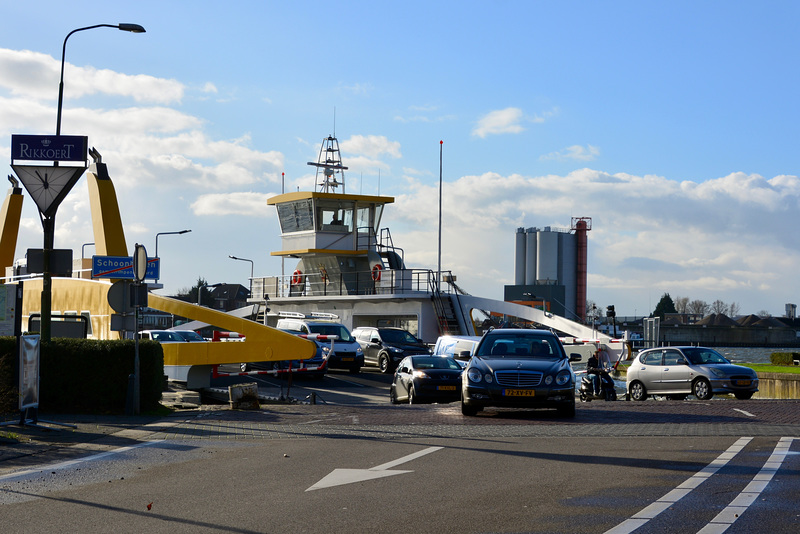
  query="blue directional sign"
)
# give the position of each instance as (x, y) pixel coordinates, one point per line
(48, 147)
(121, 267)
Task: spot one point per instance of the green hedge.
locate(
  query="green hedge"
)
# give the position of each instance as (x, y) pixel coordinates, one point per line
(784, 358)
(86, 375)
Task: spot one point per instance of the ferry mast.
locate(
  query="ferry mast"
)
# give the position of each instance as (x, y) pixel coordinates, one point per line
(329, 166)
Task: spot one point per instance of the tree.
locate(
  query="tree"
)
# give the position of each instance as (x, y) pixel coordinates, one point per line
(719, 307)
(681, 303)
(700, 307)
(734, 309)
(664, 306)
(190, 294)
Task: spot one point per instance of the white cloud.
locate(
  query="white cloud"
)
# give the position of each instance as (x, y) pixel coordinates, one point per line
(574, 152)
(245, 204)
(371, 145)
(499, 122)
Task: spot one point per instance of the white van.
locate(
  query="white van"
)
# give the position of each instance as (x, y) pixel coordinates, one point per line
(458, 347)
(347, 353)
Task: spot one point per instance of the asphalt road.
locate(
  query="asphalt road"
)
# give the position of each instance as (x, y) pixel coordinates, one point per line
(354, 463)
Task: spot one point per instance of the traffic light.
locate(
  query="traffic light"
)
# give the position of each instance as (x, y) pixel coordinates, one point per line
(610, 311)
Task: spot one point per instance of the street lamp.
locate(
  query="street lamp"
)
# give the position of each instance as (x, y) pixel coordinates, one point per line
(126, 27)
(251, 270)
(167, 233)
(48, 216)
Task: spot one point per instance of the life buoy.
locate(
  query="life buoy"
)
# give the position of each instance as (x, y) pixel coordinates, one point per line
(297, 277)
(376, 272)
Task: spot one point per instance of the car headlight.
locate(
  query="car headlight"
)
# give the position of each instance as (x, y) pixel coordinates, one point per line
(419, 374)
(474, 375)
(359, 350)
(548, 380)
(395, 350)
(326, 350)
(719, 373)
(562, 378)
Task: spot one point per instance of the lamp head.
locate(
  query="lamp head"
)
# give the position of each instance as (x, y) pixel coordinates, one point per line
(128, 27)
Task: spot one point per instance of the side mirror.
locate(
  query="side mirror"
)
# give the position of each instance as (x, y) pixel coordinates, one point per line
(575, 357)
(464, 355)
(375, 340)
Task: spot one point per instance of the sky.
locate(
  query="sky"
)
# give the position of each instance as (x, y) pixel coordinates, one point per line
(673, 125)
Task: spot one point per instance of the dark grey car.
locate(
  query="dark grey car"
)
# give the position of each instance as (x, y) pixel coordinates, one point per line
(519, 368)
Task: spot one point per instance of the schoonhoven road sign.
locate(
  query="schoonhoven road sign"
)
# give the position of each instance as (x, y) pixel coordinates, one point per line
(121, 267)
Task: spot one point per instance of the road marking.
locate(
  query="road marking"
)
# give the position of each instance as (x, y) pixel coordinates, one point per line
(750, 493)
(68, 463)
(649, 512)
(340, 477)
(748, 414)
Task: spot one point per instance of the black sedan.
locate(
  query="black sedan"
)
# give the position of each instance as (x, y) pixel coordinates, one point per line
(518, 368)
(426, 379)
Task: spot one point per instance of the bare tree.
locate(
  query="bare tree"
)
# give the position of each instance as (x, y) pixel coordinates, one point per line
(699, 307)
(764, 314)
(734, 309)
(681, 304)
(719, 307)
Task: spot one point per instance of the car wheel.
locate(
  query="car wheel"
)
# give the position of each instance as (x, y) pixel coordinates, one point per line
(702, 389)
(383, 362)
(585, 397)
(567, 411)
(412, 396)
(393, 396)
(244, 367)
(743, 395)
(469, 411)
(637, 391)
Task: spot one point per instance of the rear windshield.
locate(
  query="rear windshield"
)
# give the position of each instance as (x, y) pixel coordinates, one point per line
(332, 330)
(522, 345)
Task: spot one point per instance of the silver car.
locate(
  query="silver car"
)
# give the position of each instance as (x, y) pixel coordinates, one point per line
(678, 372)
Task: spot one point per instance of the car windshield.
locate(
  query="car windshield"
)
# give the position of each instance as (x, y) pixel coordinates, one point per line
(332, 330)
(397, 336)
(190, 335)
(520, 345)
(166, 336)
(700, 356)
(435, 362)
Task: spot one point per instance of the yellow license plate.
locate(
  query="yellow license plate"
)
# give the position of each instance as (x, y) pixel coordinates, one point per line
(347, 359)
(519, 393)
(446, 388)
(743, 382)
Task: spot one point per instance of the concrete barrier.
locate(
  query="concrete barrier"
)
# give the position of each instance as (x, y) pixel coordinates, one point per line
(778, 386)
(244, 396)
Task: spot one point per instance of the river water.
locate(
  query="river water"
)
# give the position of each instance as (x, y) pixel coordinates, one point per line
(751, 354)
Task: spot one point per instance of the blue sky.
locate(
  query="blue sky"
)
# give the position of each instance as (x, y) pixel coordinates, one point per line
(673, 125)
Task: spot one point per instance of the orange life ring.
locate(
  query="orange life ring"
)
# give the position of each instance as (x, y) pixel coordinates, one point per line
(297, 277)
(376, 272)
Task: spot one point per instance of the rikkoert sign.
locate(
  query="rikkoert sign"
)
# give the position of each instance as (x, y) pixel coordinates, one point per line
(49, 147)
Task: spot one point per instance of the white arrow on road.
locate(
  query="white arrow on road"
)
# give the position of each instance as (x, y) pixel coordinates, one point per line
(340, 477)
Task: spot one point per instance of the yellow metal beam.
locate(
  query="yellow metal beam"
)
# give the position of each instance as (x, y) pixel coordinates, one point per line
(9, 219)
(109, 237)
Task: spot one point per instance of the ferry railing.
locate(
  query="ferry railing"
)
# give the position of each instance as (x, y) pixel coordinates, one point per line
(382, 282)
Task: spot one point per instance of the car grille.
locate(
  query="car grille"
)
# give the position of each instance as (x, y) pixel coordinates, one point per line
(518, 378)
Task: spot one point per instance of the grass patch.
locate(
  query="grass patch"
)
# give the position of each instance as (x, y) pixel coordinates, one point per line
(769, 368)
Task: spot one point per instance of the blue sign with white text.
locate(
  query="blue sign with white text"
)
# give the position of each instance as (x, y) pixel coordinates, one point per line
(121, 267)
(49, 147)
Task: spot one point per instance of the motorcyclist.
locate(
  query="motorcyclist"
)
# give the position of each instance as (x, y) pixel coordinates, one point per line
(594, 371)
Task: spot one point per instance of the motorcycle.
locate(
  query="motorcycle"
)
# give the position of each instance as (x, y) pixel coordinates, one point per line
(607, 391)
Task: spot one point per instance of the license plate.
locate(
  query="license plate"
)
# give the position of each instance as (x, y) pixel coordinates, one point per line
(519, 393)
(742, 382)
(446, 388)
(347, 359)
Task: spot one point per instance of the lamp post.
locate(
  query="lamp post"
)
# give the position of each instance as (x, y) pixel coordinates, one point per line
(251, 270)
(49, 219)
(167, 233)
(126, 27)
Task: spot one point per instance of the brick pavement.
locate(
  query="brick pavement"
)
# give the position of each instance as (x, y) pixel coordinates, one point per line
(24, 446)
